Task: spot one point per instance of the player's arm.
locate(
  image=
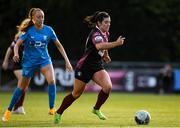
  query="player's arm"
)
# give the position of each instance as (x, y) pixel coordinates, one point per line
(6, 58)
(106, 57)
(109, 45)
(63, 53)
(16, 49)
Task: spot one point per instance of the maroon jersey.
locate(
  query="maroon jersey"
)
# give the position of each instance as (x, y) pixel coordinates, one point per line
(16, 65)
(92, 56)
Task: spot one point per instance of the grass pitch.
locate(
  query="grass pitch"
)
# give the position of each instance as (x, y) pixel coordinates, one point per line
(120, 109)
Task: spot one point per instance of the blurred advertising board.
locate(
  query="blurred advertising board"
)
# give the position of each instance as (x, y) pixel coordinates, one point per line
(177, 80)
(127, 77)
(129, 80)
(122, 80)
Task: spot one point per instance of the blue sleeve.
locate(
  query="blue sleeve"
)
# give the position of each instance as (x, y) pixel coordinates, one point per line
(53, 35)
(23, 36)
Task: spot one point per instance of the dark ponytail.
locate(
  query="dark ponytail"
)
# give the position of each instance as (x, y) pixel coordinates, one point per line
(92, 20)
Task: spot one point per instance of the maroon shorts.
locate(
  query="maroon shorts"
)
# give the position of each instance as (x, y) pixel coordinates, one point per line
(14, 66)
(86, 72)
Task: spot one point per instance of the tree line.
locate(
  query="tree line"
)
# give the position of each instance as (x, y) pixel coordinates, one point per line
(151, 27)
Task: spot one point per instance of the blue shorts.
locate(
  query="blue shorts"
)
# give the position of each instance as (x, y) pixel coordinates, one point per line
(29, 71)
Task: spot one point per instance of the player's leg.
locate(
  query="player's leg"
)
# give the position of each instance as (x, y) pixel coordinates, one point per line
(78, 89)
(16, 95)
(27, 73)
(18, 108)
(102, 79)
(48, 72)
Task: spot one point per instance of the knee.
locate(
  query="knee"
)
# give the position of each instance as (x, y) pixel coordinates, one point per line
(23, 85)
(108, 88)
(51, 82)
(22, 88)
(76, 95)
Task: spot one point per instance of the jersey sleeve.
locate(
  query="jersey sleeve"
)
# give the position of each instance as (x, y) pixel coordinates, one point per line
(97, 38)
(53, 35)
(23, 36)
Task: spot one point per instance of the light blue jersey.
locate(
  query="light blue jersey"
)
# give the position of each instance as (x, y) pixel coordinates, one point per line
(35, 56)
(35, 45)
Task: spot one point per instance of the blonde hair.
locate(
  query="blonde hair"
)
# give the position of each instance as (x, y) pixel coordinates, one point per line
(26, 23)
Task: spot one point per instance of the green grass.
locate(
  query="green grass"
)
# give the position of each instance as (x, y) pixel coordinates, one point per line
(120, 109)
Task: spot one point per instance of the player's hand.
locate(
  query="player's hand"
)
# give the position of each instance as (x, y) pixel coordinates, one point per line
(120, 40)
(5, 65)
(69, 67)
(107, 59)
(16, 58)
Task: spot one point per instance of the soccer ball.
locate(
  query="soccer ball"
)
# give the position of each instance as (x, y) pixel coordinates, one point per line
(142, 117)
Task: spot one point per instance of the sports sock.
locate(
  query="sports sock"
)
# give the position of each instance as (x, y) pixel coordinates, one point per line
(20, 101)
(16, 95)
(102, 97)
(52, 95)
(67, 101)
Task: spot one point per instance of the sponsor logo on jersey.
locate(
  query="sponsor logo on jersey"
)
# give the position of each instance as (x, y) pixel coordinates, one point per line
(45, 37)
(98, 39)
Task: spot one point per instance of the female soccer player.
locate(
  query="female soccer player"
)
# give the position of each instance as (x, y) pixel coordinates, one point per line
(35, 39)
(90, 66)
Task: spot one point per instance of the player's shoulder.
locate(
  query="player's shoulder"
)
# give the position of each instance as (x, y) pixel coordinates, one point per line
(96, 32)
(47, 27)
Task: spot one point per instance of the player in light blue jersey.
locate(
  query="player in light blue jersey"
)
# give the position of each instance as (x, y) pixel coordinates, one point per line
(35, 38)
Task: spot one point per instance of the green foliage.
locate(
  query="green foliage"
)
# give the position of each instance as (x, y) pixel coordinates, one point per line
(151, 27)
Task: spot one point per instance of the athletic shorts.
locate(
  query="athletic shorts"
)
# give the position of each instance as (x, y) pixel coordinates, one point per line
(86, 72)
(15, 65)
(29, 71)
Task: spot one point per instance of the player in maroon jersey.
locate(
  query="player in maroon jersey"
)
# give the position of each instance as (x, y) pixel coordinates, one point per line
(17, 70)
(90, 66)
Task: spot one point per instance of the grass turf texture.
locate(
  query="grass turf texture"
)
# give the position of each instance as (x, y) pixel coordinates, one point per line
(120, 109)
